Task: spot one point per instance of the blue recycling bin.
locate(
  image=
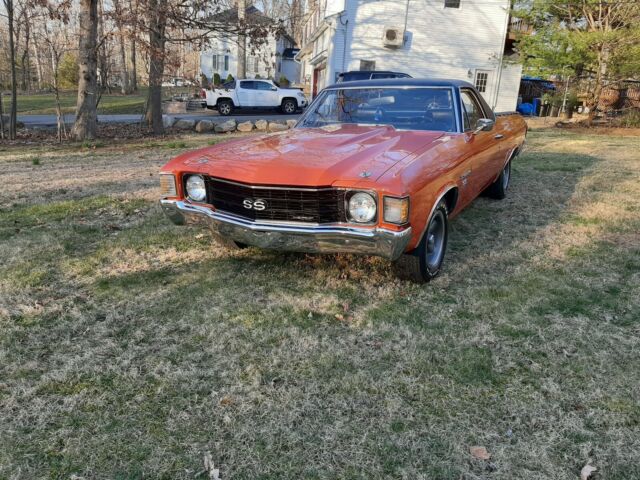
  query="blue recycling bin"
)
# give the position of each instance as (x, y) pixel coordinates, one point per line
(536, 106)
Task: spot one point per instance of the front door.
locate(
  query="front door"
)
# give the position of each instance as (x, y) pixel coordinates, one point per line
(319, 75)
(266, 94)
(246, 93)
(486, 146)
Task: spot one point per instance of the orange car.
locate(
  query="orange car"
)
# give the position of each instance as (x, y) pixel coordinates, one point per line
(374, 167)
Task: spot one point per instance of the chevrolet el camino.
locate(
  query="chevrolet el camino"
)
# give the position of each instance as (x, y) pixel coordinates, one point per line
(375, 167)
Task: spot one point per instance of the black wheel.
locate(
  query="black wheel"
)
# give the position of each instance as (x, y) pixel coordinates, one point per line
(225, 107)
(289, 106)
(498, 189)
(425, 262)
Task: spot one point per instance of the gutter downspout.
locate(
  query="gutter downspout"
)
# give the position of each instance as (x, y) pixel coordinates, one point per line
(344, 47)
(406, 21)
(504, 38)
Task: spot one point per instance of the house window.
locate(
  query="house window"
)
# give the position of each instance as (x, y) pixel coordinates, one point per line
(481, 81)
(451, 3)
(214, 62)
(367, 65)
(256, 64)
(226, 62)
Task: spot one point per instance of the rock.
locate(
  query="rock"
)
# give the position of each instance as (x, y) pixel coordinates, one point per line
(168, 121)
(277, 127)
(245, 127)
(204, 126)
(262, 125)
(185, 124)
(228, 126)
(291, 123)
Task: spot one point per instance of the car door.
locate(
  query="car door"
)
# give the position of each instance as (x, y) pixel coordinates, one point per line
(267, 94)
(485, 145)
(246, 93)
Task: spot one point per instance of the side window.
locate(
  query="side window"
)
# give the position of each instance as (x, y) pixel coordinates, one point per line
(472, 110)
(262, 86)
(247, 85)
(451, 3)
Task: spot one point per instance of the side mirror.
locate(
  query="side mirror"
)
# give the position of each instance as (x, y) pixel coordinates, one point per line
(484, 125)
(274, 89)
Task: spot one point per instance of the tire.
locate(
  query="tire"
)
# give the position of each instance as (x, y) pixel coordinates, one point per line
(498, 189)
(225, 107)
(289, 106)
(425, 261)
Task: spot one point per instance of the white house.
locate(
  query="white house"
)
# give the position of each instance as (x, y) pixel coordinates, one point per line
(264, 61)
(460, 39)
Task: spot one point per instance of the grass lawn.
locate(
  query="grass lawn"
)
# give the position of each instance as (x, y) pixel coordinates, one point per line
(115, 103)
(131, 348)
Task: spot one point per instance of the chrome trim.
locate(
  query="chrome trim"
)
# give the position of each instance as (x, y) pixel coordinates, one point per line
(275, 187)
(331, 238)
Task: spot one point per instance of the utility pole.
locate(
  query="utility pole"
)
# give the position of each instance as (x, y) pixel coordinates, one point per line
(242, 40)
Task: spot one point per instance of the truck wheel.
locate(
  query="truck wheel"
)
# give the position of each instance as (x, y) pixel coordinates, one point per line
(225, 107)
(498, 189)
(289, 106)
(425, 262)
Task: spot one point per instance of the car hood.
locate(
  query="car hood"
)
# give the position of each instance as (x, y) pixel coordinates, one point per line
(307, 156)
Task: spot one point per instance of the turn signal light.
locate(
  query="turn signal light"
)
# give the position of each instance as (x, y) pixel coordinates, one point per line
(396, 210)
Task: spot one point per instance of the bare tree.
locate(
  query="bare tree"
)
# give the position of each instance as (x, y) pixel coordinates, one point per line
(13, 114)
(86, 116)
(157, 22)
(118, 15)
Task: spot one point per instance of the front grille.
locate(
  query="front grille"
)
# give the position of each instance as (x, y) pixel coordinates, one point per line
(309, 205)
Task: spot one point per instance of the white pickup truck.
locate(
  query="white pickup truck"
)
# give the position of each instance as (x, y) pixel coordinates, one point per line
(253, 94)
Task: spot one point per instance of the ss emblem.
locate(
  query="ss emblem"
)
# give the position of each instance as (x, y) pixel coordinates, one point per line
(258, 204)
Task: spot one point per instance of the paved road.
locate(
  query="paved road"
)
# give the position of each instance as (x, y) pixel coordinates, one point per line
(50, 120)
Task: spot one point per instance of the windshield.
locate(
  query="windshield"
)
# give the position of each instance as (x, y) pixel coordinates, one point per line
(414, 108)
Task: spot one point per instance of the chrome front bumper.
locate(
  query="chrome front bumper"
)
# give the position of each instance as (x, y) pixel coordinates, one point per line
(292, 237)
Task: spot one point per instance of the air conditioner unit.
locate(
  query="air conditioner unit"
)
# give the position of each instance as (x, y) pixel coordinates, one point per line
(393, 37)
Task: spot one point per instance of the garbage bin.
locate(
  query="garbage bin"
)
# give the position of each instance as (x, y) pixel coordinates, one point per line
(536, 106)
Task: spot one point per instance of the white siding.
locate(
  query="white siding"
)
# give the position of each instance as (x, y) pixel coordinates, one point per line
(266, 55)
(440, 42)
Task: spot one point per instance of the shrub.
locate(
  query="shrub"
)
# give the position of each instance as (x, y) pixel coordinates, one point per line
(68, 71)
(631, 119)
(229, 78)
(216, 79)
(204, 81)
(284, 81)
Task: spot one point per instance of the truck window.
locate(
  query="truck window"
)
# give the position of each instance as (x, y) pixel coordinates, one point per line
(262, 86)
(248, 85)
(472, 110)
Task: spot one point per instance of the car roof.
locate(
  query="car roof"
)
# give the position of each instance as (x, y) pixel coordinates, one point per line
(371, 71)
(403, 82)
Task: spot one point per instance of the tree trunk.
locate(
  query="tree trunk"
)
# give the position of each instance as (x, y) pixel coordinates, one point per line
(157, 26)
(26, 61)
(13, 115)
(242, 41)
(124, 74)
(36, 56)
(86, 116)
(134, 67)
(133, 77)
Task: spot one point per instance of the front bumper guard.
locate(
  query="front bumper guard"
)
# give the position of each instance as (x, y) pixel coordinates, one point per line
(381, 242)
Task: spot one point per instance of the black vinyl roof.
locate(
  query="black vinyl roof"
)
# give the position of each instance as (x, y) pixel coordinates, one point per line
(403, 82)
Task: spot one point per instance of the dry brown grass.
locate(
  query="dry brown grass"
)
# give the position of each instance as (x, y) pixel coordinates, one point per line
(131, 348)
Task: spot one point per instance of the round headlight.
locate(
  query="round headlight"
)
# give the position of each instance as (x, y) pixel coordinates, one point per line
(362, 207)
(196, 188)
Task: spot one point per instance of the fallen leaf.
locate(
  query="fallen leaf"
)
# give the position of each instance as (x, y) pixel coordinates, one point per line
(586, 471)
(209, 467)
(339, 316)
(480, 453)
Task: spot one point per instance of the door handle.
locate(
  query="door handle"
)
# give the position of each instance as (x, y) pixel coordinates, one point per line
(498, 136)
